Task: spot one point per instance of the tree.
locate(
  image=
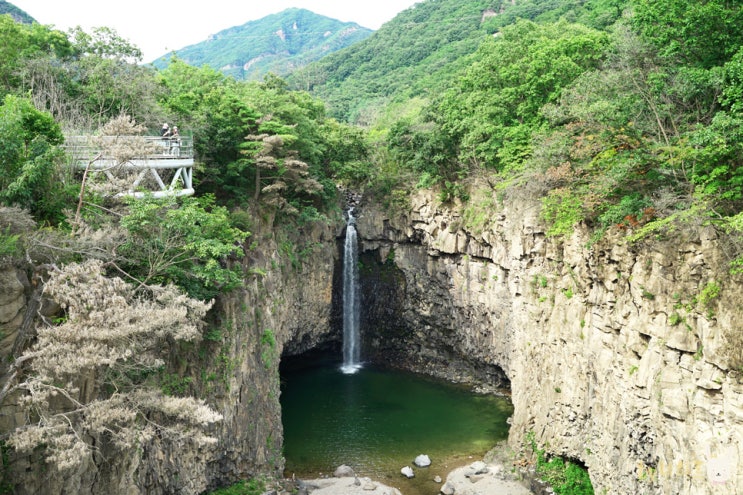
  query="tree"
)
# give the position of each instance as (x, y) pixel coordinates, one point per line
(494, 107)
(84, 381)
(120, 140)
(104, 42)
(220, 117)
(703, 33)
(186, 242)
(19, 42)
(291, 178)
(30, 161)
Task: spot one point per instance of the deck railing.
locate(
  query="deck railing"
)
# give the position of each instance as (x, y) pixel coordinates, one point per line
(137, 165)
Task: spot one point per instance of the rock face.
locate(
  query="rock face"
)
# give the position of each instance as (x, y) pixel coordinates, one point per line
(622, 356)
(625, 357)
(284, 309)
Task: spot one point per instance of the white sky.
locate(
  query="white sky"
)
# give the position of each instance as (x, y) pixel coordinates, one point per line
(160, 26)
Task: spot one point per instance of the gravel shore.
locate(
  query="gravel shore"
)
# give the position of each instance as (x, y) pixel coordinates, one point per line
(491, 476)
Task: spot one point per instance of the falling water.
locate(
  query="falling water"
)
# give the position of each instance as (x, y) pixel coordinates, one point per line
(351, 339)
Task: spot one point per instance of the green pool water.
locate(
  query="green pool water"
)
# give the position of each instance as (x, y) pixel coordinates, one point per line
(378, 421)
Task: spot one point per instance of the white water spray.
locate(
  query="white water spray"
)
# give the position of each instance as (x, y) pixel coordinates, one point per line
(351, 337)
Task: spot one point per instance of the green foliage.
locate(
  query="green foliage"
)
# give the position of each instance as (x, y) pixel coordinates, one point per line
(562, 209)
(295, 253)
(732, 91)
(675, 319)
(566, 477)
(345, 155)
(213, 335)
(415, 53)
(186, 242)
(704, 33)
(10, 245)
(629, 210)
(7, 487)
(425, 149)
(19, 42)
(479, 211)
(30, 161)
(250, 136)
(253, 486)
(709, 294)
(174, 385)
(736, 266)
(16, 13)
(494, 108)
(104, 43)
(593, 13)
(717, 150)
(268, 348)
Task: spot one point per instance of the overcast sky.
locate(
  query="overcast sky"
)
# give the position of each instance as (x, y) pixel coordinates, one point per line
(158, 27)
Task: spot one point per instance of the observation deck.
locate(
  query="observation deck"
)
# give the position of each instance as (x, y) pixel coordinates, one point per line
(137, 166)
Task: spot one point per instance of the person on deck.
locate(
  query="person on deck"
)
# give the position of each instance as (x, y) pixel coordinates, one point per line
(175, 142)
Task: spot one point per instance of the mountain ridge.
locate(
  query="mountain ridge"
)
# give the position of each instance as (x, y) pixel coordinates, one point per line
(278, 43)
(18, 14)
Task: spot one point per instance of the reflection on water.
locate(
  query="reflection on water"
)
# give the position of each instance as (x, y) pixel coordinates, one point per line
(377, 421)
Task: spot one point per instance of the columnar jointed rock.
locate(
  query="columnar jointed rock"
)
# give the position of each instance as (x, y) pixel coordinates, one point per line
(618, 354)
(293, 308)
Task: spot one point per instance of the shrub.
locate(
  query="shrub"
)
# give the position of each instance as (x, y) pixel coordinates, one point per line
(566, 477)
(254, 486)
(562, 209)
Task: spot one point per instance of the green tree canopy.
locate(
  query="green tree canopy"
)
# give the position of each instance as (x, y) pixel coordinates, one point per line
(703, 33)
(494, 107)
(185, 242)
(30, 160)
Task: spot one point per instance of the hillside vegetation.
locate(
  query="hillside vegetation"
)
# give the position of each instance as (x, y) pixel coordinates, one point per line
(279, 43)
(421, 49)
(619, 115)
(612, 115)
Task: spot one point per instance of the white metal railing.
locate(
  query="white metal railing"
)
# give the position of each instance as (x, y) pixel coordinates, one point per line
(137, 166)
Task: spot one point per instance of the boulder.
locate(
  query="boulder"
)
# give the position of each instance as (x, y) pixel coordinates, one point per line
(422, 461)
(407, 471)
(344, 471)
(478, 467)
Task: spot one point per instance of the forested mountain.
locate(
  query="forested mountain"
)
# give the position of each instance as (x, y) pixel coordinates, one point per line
(16, 13)
(278, 43)
(419, 51)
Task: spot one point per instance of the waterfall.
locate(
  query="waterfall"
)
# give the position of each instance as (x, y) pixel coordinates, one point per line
(351, 338)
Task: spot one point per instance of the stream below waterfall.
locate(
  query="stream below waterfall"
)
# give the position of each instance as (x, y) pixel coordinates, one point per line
(379, 420)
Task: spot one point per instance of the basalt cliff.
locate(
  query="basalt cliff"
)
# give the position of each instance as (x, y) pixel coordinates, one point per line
(619, 355)
(622, 356)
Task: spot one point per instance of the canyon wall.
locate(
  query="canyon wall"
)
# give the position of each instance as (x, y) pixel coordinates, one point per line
(621, 356)
(625, 357)
(283, 308)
